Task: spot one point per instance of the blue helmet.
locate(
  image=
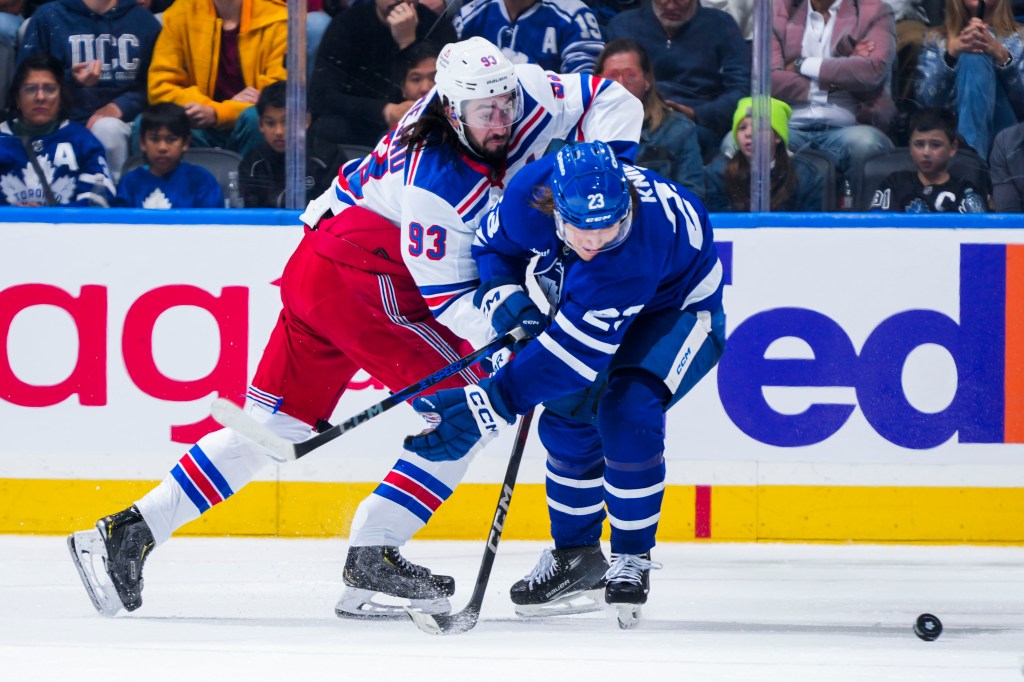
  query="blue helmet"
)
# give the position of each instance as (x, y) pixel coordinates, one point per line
(591, 192)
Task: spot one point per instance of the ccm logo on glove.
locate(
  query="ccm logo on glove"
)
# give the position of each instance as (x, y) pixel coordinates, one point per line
(481, 408)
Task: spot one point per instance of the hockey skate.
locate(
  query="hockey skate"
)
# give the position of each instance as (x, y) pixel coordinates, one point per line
(565, 581)
(382, 570)
(109, 560)
(629, 581)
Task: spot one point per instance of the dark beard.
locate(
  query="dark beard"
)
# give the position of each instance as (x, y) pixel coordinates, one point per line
(496, 156)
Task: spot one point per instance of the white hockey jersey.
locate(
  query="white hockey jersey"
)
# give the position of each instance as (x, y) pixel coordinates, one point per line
(437, 194)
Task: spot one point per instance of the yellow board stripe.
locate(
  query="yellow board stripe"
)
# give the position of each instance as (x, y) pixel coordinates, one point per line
(738, 513)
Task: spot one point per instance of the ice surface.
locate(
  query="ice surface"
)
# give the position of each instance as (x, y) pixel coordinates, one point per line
(263, 609)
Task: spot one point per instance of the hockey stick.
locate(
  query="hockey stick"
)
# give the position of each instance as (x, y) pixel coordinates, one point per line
(465, 620)
(230, 415)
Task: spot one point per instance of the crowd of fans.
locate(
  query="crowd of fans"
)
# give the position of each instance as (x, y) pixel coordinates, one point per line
(105, 94)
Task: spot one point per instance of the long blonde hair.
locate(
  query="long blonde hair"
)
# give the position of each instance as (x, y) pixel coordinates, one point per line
(1003, 23)
(655, 108)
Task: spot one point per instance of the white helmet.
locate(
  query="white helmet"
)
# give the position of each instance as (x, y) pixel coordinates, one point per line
(476, 69)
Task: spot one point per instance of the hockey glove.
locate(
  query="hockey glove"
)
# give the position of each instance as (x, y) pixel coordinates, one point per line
(462, 420)
(506, 305)
(492, 363)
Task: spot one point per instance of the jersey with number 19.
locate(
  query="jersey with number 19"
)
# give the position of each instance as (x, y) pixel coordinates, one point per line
(436, 194)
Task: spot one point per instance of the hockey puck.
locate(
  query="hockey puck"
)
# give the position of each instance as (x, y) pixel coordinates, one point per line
(928, 627)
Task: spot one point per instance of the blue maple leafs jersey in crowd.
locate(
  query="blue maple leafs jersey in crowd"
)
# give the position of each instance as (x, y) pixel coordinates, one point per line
(187, 186)
(436, 194)
(72, 159)
(559, 35)
(668, 261)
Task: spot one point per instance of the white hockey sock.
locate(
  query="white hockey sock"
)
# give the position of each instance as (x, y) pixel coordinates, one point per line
(216, 467)
(405, 501)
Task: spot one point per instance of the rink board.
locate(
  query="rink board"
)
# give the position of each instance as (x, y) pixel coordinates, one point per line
(872, 389)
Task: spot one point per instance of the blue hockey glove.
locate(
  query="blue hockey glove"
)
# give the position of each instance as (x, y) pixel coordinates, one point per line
(461, 420)
(492, 363)
(506, 305)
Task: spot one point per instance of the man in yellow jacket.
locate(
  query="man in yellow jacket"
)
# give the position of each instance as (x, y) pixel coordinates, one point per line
(213, 57)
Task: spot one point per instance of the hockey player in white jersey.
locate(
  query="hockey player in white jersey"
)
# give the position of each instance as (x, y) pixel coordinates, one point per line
(630, 267)
(383, 280)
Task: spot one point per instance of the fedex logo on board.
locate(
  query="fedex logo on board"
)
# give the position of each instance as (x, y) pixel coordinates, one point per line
(987, 346)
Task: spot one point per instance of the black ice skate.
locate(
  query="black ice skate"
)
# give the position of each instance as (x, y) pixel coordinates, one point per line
(109, 560)
(565, 581)
(629, 581)
(382, 570)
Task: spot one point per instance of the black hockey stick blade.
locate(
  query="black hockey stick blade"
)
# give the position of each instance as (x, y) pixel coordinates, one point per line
(466, 619)
(230, 415)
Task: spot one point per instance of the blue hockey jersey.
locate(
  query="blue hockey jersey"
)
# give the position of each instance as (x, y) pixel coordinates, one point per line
(560, 35)
(72, 159)
(188, 186)
(668, 261)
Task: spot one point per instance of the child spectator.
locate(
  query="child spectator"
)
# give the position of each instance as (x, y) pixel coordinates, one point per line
(933, 187)
(166, 181)
(262, 172)
(974, 66)
(794, 184)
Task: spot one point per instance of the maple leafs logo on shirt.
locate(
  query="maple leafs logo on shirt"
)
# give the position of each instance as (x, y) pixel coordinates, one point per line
(157, 199)
(23, 188)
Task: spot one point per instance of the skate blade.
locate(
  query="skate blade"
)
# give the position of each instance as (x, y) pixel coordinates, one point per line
(587, 601)
(359, 604)
(89, 554)
(628, 615)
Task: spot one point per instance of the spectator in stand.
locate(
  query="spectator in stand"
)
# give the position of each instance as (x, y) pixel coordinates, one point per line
(560, 35)
(213, 58)
(605, 10)
(975, 66)
(166, 181)
(795, 185)
(45, 159)
(353, 95)
(10, 22)
(317, 21)
(933, 187)
(740, 10)
(701, 62)
(106, 47)
(1007, 165)
(262, 172)
(417, 75)
(832, 65)
(912, 22)
(668, 141)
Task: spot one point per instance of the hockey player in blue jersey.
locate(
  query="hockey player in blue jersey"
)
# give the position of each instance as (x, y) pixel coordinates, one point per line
(559, 35)
(628, 263)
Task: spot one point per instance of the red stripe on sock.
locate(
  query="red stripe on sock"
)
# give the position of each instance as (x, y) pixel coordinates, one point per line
(1014, 364)
(201, 481)
(413, 488)
(702, 512)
